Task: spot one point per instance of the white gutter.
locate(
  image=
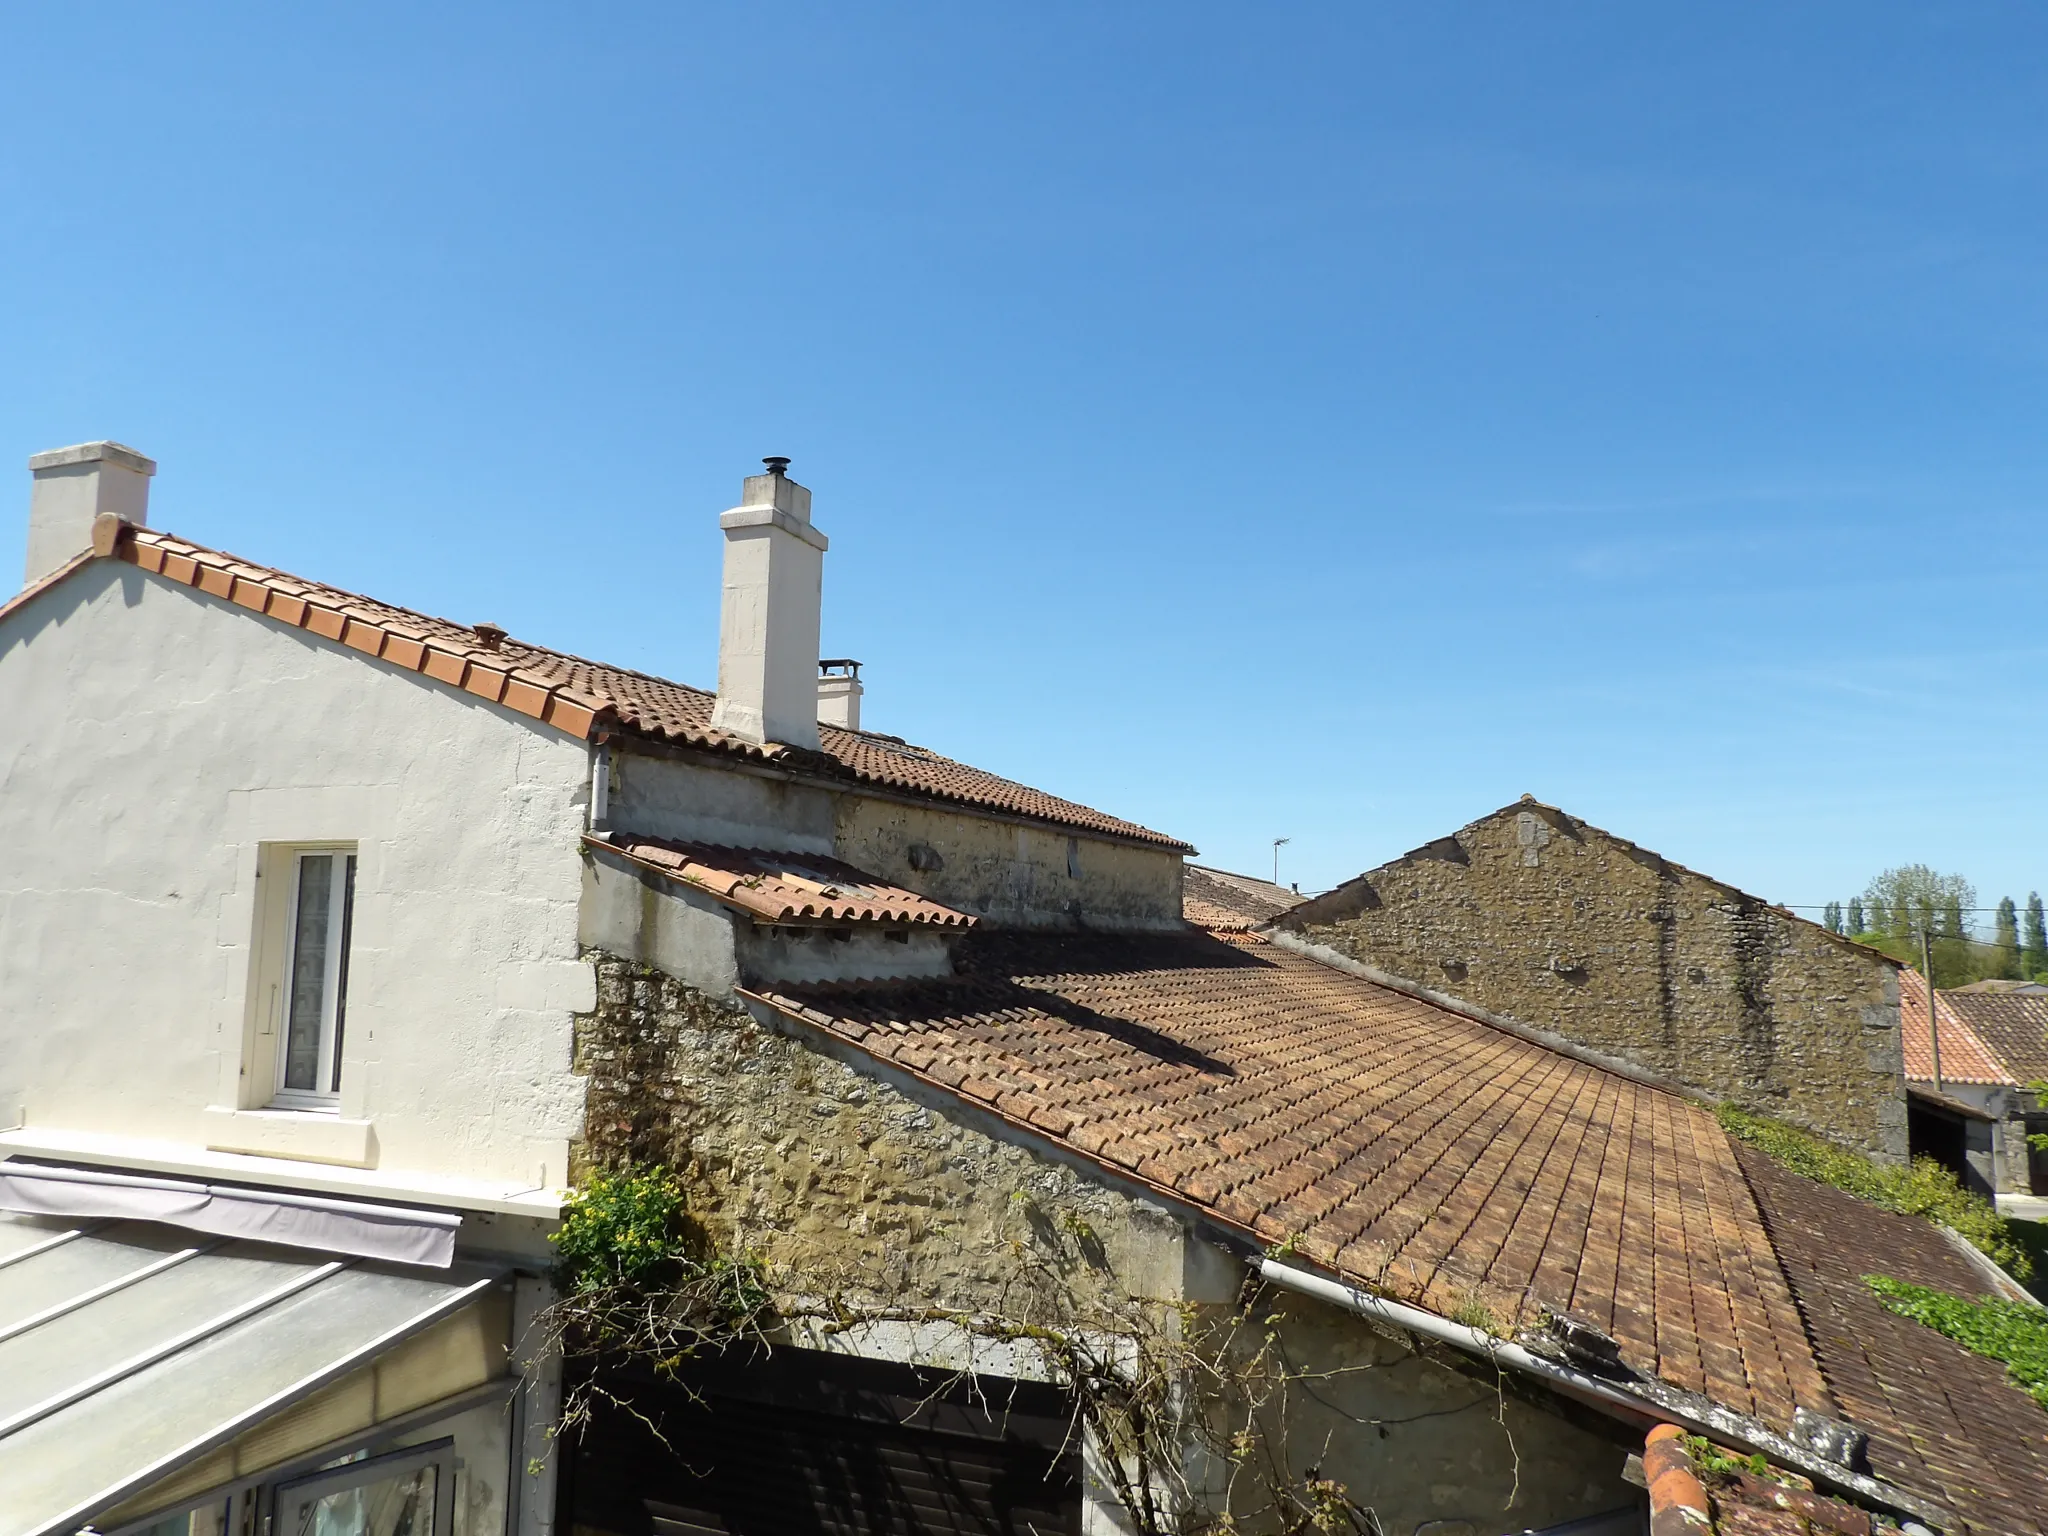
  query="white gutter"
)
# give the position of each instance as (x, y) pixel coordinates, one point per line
(601, 787)
(1706, 1418)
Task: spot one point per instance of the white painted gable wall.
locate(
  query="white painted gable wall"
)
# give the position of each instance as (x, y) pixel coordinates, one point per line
(151, 738)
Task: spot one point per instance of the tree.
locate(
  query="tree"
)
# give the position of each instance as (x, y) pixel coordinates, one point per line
(1856, 914)
(1917, 899)
(1912, 900)
(1831, 917)
(1951, 926)
(2034, 956)
(2007, 940)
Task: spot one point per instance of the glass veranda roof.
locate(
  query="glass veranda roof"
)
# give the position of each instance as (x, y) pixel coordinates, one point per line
(128, 1349)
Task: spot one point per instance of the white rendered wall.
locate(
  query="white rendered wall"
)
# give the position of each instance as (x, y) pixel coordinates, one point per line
(151, 738)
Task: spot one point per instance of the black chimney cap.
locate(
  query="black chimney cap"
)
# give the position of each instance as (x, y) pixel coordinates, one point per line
(778, 465)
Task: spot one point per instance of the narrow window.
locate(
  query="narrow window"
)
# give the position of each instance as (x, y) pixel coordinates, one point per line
(316, 978)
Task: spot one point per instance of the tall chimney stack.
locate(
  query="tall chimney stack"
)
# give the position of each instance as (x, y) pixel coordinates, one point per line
(72, 487)
(768, 615)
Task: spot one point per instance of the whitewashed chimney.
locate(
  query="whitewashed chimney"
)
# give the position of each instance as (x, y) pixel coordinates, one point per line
(72, 486)
(839, 692)
(768, 615)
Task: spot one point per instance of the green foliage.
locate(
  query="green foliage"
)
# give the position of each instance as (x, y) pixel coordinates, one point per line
(1957, 962)
(1474, 1313)
(2007, 938)
(1924, 1188)
(1831, 917)
(1999, 1330)
(1855, 915)
(623, 1228)
(2034, 948)
(1915, 898)
(1709, 1460)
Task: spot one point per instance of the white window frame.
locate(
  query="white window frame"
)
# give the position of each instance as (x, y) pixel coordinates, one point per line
(439, 1454)
(325, 1094)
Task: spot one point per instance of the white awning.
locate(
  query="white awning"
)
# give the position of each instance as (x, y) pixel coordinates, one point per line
(128, 1350)
(356, 1227)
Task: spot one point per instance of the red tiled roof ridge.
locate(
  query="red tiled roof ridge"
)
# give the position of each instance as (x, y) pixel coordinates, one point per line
(582, 697)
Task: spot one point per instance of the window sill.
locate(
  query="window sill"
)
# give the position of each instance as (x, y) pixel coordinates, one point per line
(310, 1136)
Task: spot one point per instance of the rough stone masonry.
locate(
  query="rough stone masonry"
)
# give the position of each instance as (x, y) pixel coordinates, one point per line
(1532, 914)
(832, 1178)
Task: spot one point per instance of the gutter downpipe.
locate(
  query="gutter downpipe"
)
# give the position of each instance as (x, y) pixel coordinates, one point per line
(1719, 1424)
(601, 787)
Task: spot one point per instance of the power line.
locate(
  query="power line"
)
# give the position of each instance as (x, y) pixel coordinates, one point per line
(1822, 906)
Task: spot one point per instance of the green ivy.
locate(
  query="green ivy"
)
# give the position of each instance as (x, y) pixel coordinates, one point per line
(1924, 1188)
(622, 1229)
(1999, 1330)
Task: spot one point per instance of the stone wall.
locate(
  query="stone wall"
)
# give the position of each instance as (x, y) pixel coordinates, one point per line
(1534, 915)
(835, 1179)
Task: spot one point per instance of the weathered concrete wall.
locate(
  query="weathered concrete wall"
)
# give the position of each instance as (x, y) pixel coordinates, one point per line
(1027, 876)
(691, 802)
(156, 739)
(1427, 1448)
(1532, 914)
(999, 869)
(838, 1180)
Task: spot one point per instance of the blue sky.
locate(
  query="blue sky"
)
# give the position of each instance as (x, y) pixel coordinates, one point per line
(1314, 421)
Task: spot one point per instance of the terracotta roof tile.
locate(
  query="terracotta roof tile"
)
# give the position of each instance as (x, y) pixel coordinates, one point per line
(1411, 1148)
(1966, 1056)
(797, 888)
(539, 682)
(1940, 1419)
(2013, 1026)
(1226, 903)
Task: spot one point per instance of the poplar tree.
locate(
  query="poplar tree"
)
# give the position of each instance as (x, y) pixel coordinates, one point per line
(2034, 956)
(2007, 938)
(1951, 918)
(1856, 915)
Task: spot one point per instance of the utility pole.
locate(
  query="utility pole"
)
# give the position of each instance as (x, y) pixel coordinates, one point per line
(1933, 1011)
(1276, 856)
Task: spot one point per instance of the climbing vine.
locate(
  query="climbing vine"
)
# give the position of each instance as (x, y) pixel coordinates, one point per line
(1189, 1409)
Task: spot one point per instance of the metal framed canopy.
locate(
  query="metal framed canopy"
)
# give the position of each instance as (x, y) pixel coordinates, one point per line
(129, 1349)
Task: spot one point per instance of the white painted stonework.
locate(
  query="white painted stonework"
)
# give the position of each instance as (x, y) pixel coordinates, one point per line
(159, 742)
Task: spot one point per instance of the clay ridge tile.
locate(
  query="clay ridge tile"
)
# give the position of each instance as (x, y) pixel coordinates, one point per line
(410, 641)
(587, 698)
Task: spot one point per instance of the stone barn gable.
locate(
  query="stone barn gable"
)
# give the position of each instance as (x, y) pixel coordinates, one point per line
(1537, 916)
